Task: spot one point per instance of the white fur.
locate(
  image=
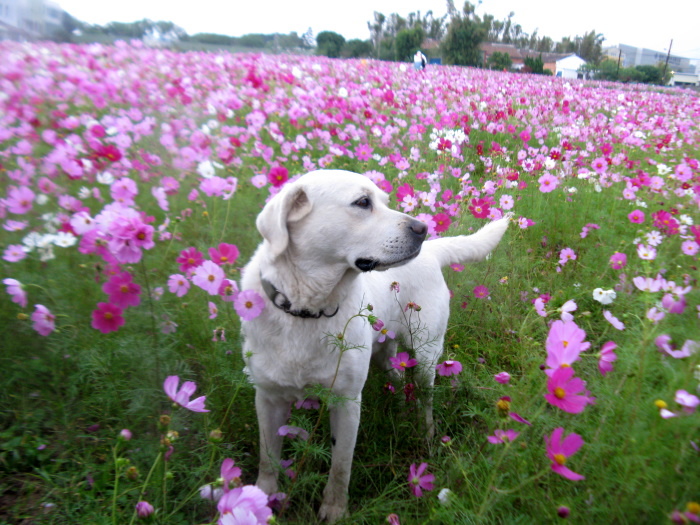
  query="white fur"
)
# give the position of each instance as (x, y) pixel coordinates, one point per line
(315, 231)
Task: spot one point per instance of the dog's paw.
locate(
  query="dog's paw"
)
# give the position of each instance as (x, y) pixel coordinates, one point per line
(331, 513)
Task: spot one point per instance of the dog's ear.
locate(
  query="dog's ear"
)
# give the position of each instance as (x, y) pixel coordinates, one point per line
(290, 205)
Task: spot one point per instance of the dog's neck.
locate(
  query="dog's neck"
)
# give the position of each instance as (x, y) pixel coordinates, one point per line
(306, 287)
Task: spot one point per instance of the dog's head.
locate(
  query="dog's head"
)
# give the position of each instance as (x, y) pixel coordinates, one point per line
(332, 217)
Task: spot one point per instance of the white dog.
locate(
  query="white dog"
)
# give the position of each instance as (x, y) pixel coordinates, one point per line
(331, 246)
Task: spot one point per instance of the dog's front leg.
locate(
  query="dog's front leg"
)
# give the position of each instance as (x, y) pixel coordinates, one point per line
(345, 420)
(272, 413)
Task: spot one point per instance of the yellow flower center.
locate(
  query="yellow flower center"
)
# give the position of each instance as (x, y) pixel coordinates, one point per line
(108, 315)
(224, 259)
(249, 304)
(559, 393)
(211, 278)
(560, 458)
(123, 288)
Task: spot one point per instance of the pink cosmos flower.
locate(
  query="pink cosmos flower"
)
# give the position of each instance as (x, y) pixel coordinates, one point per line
(563, 390)
(14, 253)
(503, 436)
(402, 361)
(44, 322)
(502, 377)
(190, 259)
(248, 304)
(564, 344)
(228, 290)
(16, 291)
(144, 509)
(690, 247)
(663, 343)
(385, 333)
(481, 291)
(213, 310)
(647, 284)
(618, 260)
(548, 182)
(449, 368)
(560, 448)
(225, 254)
(293, 432)
(674, 304)
(688, 401)
(606, 357)
(19, 199)
(636, 217)
(457, 267)
(208, 276)
(182, 396)
(646, 252)
(244, 505)
(178, 284)
(229, 473)
(122, 291)
(613, 320)
(566, 309)
(418, 481)
(566, 255)
(539, 307)
(107, 318)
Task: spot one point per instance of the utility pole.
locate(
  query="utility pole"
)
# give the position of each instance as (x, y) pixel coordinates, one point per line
(619, 57)
(663, 76)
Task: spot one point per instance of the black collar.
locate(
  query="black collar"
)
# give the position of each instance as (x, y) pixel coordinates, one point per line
(282, 302)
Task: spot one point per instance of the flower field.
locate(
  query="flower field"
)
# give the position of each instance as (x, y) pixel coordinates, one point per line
(130, 182)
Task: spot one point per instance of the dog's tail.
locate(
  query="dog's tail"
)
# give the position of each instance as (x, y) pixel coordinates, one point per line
(468, 248)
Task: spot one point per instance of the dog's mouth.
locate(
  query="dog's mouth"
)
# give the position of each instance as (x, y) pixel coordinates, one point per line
(367, 265)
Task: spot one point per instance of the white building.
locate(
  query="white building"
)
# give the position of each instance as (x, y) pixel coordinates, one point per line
(28, 19)
(568, 67)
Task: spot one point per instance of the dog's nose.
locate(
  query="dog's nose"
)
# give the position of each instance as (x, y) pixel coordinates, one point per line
(419, 228)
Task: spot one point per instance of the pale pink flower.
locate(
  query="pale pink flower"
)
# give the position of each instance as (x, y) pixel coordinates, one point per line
(613, 320)
(44, 322)
(248, 304)
(178, 284)
(182, 396)
(208, 276)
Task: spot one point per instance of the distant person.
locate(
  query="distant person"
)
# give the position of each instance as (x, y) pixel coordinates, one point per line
(419, 61)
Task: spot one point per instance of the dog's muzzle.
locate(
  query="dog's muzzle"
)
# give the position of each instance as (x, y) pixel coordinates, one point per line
(417, 233)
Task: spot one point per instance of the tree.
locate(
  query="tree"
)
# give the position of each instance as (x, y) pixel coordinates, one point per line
(499, 61)
(590, 47)
(329, 44)
(407, 42)
(534, 65)
(464, 34)
(357, 48)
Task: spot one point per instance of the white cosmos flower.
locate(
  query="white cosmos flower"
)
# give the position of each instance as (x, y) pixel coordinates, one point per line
(604, 296)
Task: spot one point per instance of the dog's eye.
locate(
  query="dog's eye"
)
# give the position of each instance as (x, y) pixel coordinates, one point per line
(363, 202)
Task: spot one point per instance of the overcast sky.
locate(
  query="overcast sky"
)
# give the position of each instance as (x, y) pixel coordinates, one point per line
(651, 25)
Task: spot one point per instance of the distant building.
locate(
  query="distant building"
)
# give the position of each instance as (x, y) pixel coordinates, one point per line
(631, 56)
(564, 65)
(29, 19)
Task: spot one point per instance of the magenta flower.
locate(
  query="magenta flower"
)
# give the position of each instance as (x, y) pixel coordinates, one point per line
(144, 509)
(560, 448)
(564, 390)
(44, 322)
(190, 259)
(178, 284)
(402, 361)
(122, 291)
(224, 254)
(278, 176)
(248, 304)
(502, 377)
(618, 260)
(16, 291)
(228, 290)
(107, 318)
(479, 208)
(636, 217)
(449, 368)
(606, 357)
(377, 325)
(14, 253)
(442, 222)
(418, 480)
(503, 436)
(182, 396)
(208, 276)
(481, 291)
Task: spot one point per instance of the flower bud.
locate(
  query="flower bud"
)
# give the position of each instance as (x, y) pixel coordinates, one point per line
(132, 473)
(144, 509)
(216, 436)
